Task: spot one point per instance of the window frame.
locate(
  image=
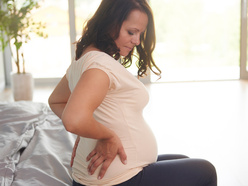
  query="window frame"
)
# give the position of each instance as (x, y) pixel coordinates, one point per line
(243, 41)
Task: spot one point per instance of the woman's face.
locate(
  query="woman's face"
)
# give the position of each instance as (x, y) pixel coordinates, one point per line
(130, 31)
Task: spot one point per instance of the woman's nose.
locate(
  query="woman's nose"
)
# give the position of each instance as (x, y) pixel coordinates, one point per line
(136, 40)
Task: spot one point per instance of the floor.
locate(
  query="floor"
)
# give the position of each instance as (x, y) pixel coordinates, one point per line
(206, 120)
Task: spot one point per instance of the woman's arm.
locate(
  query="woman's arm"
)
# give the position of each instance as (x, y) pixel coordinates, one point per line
(57, 101)
(59, 97)
(76, 111)
(88, 94)
(76, 108)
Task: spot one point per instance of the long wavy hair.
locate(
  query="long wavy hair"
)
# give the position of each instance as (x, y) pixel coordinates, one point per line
(104, 27)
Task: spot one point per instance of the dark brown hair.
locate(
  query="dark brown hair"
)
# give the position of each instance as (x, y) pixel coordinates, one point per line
(104, 28)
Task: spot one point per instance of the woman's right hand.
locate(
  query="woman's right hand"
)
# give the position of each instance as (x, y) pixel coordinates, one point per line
(104, 153)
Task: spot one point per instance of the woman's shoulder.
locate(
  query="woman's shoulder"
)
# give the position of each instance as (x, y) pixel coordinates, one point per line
(92, 59)
(99, 56)
(96, 59)
(95, 56)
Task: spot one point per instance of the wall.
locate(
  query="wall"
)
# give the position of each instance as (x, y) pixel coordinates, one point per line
(2, 76)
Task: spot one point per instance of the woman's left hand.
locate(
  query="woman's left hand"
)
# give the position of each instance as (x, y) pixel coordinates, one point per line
(74, 150)
(104, 153)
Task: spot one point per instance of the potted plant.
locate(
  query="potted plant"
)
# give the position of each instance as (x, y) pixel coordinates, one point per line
(16, 28)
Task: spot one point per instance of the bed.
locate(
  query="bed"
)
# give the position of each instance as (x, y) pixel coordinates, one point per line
(35, 149)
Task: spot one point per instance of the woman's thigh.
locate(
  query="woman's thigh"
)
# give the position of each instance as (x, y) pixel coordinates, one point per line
(162, 157)
(175, 172)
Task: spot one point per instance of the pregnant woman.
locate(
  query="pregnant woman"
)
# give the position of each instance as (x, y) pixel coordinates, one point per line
(102, 103)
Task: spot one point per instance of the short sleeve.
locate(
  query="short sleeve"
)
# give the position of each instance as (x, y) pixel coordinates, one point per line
(92, 60)
(112, 78)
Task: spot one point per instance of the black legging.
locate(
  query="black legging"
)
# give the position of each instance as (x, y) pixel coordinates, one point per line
(174, 170)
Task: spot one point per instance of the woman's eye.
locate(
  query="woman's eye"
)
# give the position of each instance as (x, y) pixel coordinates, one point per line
(130, 33)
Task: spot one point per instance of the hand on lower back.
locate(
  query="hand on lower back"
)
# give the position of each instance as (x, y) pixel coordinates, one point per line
(104, 153)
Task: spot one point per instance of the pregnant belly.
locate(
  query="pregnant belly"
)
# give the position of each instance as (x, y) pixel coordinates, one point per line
(139, 145)
(146, 144)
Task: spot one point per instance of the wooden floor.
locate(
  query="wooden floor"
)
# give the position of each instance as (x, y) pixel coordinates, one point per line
(206, 120)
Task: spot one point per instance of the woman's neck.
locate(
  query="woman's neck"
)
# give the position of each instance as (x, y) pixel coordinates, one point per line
(89, 49)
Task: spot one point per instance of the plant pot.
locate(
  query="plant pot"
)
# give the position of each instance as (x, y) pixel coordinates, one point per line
(22, 86)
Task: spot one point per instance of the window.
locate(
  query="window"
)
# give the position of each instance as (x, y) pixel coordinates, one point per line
(83, 11)
(197, 39)
(50, 57)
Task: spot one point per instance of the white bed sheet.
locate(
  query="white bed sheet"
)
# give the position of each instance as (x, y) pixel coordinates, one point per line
(35, 149)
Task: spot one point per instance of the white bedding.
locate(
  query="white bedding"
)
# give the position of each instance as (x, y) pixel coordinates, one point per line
(35, 149)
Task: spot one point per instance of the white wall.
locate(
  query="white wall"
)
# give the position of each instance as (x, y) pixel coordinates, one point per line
(2, 76)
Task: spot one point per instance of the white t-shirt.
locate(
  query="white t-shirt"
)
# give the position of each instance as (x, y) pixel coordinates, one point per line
(120, 111)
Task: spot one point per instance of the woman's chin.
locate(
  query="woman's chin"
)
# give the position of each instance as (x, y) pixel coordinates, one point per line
(124, 54)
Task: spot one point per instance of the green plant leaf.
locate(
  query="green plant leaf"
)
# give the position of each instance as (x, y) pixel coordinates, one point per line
(18, 45)
(16, 23)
